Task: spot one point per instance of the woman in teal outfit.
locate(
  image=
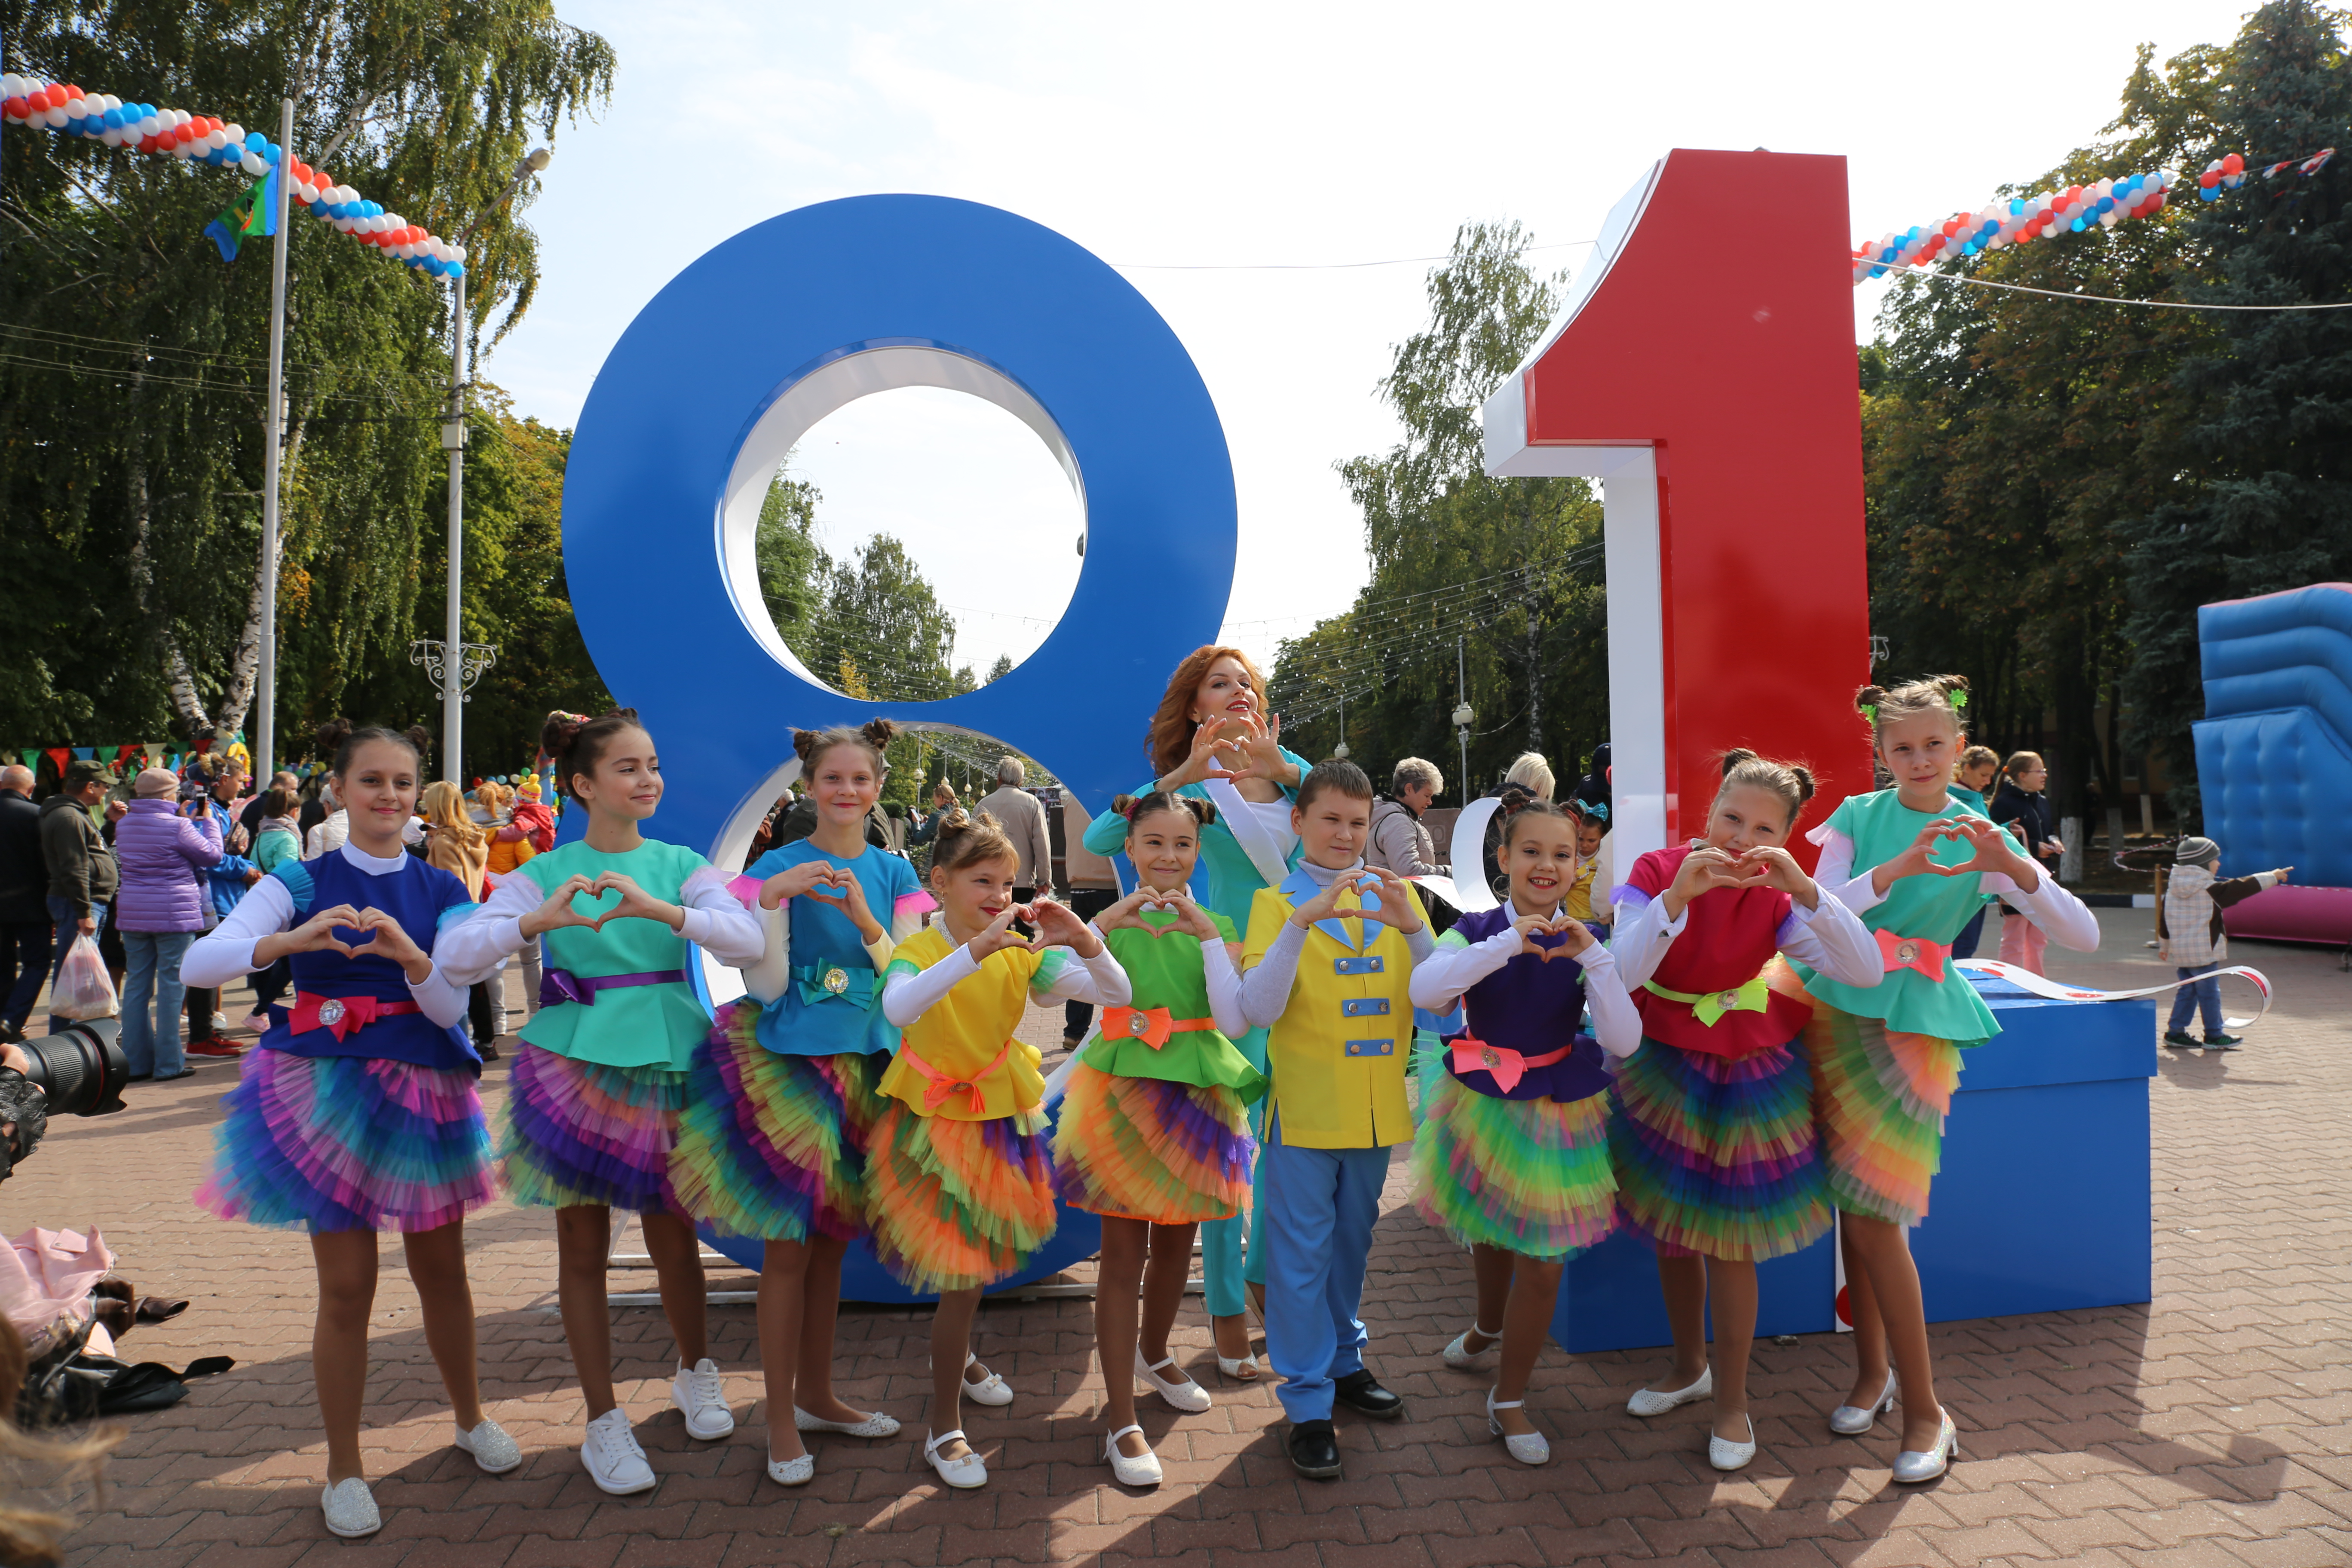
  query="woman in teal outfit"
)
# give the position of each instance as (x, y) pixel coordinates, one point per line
(1213, 740)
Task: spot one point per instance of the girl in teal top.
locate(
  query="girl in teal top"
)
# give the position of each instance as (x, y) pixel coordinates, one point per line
(1213, 740)
(593, 1099)
(783, 1096)
(1915, 862)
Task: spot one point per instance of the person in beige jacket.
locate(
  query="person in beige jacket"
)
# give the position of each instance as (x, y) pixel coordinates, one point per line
(1023, 817)
(1094, 887)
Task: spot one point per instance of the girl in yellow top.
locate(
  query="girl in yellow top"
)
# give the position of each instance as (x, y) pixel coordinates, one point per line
(960, 1179)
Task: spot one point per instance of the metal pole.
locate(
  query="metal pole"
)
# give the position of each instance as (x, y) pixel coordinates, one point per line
(273, 427)
(453, 648)
(1462, 700)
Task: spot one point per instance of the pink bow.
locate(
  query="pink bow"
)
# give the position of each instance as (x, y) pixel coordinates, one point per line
(342, 1017)
(1912, 953)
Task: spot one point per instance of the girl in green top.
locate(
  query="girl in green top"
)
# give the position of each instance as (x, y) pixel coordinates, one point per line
(1152, 1133)
(1914, 862)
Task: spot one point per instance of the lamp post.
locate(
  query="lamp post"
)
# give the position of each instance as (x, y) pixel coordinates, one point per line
(453, 663)
(1463, 716)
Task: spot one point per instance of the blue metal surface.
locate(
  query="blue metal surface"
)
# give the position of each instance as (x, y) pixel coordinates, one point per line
(685, 387)
(2042, 1204)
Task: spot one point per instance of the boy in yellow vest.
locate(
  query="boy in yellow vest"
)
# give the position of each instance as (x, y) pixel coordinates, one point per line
(1327, 967)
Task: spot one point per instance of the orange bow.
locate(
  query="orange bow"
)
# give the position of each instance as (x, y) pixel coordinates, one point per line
(1912, 953)
(942, 1087)
(1152, 1025)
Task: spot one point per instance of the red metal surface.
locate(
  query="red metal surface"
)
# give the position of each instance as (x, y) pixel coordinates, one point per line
(1723, 337)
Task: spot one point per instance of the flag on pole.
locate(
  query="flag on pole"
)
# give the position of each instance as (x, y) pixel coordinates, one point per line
(252, 214)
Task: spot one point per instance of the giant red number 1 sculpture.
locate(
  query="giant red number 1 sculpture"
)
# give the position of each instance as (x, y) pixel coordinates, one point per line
(1704, 372)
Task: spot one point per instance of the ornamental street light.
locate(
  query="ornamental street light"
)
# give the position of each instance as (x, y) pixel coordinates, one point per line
(453, 663)
(1463, 716)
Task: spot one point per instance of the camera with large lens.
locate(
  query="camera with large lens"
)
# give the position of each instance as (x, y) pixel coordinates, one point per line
(80, 1070)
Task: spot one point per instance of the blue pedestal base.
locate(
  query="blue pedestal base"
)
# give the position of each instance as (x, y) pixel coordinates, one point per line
(2042, 1204)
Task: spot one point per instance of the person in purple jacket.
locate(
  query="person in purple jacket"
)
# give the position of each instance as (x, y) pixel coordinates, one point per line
(164, 850)
(1512, 1158)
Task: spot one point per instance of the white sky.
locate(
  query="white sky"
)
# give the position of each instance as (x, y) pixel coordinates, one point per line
(1266, 132)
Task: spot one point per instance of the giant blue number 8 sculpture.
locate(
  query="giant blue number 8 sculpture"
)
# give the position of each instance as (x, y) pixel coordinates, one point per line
(731, 364)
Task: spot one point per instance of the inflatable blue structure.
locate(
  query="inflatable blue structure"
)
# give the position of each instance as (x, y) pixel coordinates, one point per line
(2274, 748)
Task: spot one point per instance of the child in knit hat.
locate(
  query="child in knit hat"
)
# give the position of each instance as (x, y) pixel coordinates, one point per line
(2188, 936)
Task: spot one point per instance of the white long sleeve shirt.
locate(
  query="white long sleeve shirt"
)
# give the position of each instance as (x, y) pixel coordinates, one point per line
(225, 952)
(1827, 937)
(2067, 918)
(1099, 980)
(715, 920)
(1439, 982)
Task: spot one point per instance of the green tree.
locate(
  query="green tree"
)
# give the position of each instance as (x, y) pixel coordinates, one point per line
(1506, 571)
(131, 398)
(1000, 669)
(791, 563)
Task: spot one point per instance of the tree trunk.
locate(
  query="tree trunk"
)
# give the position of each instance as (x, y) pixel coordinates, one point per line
(1535, 678)
(180, 680)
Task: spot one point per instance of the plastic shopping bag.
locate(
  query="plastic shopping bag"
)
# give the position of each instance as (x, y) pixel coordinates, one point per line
(83, 989)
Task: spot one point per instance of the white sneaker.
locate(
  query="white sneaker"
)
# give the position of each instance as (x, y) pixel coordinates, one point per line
(1140, 1470)
(701, 1393)
(1182, 1393)
(615, 1463)
(1658, 1400)
(963, 1473)
(1459, 1355)
(492, 1447)
(351, 1509)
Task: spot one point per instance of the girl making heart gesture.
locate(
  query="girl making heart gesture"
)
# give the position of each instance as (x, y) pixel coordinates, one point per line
(772, 1141)
(595, 1098)
(1153, 1133)
(1717, 1161)
(357, 1113)
(1512, 1158)
(958, 1183)
(1915, 862)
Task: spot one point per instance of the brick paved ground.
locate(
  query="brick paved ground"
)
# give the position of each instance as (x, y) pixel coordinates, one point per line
(2206, 1429)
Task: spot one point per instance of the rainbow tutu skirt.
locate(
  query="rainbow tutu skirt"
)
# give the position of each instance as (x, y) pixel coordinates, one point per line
(1148, 1149)
(1530, 1176)
(581, 1134)
(1715, 1156)
(1880, 1096)
(327, 1143)
(957, 1204)
(772, 1147)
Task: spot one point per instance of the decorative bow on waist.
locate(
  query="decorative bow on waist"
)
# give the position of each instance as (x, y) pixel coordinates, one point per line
(1750, 996)
(834, 983)
(943, 1088)
(557, 985)
(1507, 1065)
(1912, 953)
(1152, 1025)
(342, 1015)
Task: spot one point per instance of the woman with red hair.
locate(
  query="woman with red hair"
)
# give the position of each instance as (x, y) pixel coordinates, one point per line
(1213, 740)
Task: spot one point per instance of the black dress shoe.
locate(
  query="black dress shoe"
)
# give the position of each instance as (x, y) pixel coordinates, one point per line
(1315, 1449)
(1362, 1394)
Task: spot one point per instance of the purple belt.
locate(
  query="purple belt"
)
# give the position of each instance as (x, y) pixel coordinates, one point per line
(562, 985)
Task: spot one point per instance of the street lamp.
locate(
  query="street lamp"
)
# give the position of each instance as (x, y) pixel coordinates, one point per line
(454, 664)
(1463, 716)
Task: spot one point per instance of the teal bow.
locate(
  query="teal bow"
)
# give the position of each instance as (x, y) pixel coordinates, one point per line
(834, 983)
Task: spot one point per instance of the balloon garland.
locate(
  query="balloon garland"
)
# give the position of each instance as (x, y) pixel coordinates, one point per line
(2071, 210)
(175, 132)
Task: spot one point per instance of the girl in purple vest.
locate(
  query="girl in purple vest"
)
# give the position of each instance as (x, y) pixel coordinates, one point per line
(1718, 1164)
(359, 1114)
(1513, 1155)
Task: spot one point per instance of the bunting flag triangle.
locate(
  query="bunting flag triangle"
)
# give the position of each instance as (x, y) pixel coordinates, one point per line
(84, 753)
(60, 755)
(32, 757)
(154, 756)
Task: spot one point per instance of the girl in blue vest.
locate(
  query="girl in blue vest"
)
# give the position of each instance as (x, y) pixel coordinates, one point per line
(1512, 1158)
(771, 1143)
(1717, 1166)
(596, 1089)
(357, 1113)
(1915, 862)
(1213, 740)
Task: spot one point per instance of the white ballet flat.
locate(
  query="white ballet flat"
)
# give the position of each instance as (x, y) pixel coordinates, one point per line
(964, 1473)
(1527, 1448)
(1911, 1467)
(351, 1509)
(1142, 1471)
(1460, 1356)
(1185, 1394)
(1727, 1456)
(1658, 1400)
(791, 1472)
(1240, 1369)
(1853, 1420)
(874, 1425)
(991, 1390)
